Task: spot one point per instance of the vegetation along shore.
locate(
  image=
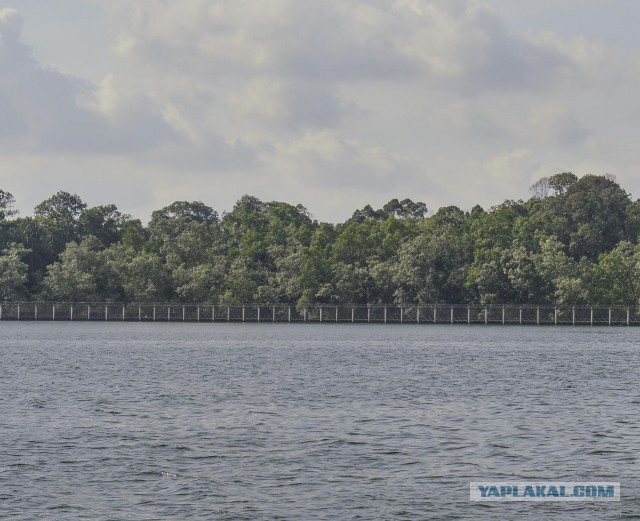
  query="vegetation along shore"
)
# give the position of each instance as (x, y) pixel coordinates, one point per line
(573, 243)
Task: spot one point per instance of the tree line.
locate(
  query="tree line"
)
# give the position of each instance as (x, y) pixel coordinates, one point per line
(575, 241)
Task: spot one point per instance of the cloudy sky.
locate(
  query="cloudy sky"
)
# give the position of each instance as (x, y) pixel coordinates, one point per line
(334, 104)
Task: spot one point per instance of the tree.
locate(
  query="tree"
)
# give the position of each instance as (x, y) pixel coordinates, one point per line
(241, 282)
(540, 189)
(6, 210)
(58, 217)
(13, 273)
(493, 233)
(598, 208)
(201, 283)
(617, 276)
(194, 211)
(244, 229)
(263, 244)
(451, 218)
(405, 209)
(359, 216)
(561, 183)
(82, 274)
(568, 280)
(141, 275)
(171, 220)
(104, 222)
(283, 280)
(134, 235)
(527, 283)
(61, 206)
(6, 205)
(351, 284)
(433, 268)
(316, 265)
(184, 236)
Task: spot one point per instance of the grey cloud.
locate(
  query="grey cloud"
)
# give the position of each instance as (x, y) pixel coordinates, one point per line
(466, 47)
(472, 120)
(11, 124)
(329, 41)
(460, 44)
(43, 108)
(204, 160)
(306, 40)
(322, 158)
(295, 105)
(309, 105)
(511, 62)
(554, 124)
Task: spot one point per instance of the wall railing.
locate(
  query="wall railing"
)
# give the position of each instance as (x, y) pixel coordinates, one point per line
(323, 313)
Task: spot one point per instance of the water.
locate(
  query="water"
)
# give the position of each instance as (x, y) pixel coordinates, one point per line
(311, 422)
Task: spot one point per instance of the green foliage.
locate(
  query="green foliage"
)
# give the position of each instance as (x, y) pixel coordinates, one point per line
(105, 223)
(617, 275)
(138, 275)
(13, 273)
(575, 241)
(79, 275)
(561, 183)
(434, 265)
(6, 205)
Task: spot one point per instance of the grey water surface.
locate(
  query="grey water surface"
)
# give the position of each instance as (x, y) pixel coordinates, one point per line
(311, 422)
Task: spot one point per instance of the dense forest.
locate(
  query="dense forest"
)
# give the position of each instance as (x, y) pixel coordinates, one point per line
(575, 241)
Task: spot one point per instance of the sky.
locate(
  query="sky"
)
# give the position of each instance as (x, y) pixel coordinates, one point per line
(333, 104)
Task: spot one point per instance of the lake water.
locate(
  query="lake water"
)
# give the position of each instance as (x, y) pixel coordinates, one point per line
(311, 422)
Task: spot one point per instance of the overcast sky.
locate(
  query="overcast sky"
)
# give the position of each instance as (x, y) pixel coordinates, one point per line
(333, 104)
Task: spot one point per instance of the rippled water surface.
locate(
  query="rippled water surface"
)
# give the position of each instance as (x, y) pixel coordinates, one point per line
(311, 422)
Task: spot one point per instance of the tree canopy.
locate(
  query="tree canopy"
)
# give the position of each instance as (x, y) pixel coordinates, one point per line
(575, 241)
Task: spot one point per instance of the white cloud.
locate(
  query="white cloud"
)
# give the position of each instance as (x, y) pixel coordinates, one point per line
(554, 124)
(291, 104)
(47, 111)
(461, 42)
(512, 167)
(324, 158)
